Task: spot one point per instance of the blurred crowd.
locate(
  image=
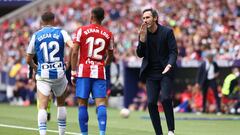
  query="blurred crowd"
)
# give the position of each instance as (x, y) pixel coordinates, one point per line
(200, 26)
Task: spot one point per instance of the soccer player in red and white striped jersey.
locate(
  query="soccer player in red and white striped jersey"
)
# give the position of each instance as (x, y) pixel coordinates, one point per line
(93, 41)
(93, 50)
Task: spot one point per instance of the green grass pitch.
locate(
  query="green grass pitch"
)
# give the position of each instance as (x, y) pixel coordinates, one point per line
(12, 117)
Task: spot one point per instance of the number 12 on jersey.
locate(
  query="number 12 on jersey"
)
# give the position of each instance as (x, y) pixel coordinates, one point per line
(94, 52)
(50, 56)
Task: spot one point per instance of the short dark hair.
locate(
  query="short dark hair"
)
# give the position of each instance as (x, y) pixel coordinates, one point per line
(48, 17)
(153, 11)
(98, 13)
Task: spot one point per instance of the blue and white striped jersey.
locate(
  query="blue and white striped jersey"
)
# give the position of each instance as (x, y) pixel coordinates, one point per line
(48, 44)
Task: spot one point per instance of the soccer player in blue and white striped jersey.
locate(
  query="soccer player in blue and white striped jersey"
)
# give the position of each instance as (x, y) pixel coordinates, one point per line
(48, 44)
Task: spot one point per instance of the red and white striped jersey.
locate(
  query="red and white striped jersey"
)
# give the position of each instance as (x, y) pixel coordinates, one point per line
(94, 40)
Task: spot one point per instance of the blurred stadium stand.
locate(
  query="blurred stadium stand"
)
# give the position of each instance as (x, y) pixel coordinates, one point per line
(18, 9)
(8, 6)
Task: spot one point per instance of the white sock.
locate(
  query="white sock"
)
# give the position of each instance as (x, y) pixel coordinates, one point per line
(42, 121)
(61, 116)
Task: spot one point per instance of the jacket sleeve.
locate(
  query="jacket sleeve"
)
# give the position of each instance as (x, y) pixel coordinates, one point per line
(199, 74)
(216, 67)
(141, 49)
(172, 46)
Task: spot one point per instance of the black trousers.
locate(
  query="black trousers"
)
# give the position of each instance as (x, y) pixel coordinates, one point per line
(162, 88)
(213, 85)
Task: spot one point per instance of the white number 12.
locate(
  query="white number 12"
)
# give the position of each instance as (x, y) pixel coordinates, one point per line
(50, 57)
(94, 52)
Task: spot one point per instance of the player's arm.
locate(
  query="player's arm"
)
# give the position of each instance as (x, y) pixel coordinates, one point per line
(68, 56)
(74, 59)
(30, 62)
(69, 59)
(70, 44)
(109, 57)
(74, 56)
(68, 41)
(75, 49)
(31, 53)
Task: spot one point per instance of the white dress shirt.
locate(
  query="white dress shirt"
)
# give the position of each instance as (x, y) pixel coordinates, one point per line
(210, 70)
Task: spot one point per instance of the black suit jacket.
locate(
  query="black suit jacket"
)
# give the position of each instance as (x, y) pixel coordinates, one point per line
(202, 73)
(167, 49)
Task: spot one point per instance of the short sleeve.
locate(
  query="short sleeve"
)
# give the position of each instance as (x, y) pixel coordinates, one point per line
(77, 35)
(30, 48)
(66, 36)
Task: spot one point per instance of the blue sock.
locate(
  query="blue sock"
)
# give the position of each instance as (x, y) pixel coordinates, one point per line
(83, 119)
(102, 118)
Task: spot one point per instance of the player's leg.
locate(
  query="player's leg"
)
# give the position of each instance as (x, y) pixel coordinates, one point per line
(61, 114)
(48, 107)
(43, 91)
(101, 114)
(59, 90)
(82, 92)
(83, 115)
(100, 93)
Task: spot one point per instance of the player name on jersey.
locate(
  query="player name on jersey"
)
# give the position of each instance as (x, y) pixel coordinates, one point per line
(92, 30)
(48, 35)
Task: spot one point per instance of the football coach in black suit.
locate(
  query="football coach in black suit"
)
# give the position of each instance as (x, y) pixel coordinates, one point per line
(157, 46)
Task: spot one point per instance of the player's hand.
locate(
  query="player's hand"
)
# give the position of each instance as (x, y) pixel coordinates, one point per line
(73, 77)
(73, 80)
(143, 32)
(167, 68)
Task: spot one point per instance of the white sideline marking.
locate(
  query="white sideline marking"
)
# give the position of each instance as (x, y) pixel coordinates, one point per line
(35, 129)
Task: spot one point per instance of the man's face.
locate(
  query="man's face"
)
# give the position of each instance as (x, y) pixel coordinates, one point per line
(148, 19)
(210, 59)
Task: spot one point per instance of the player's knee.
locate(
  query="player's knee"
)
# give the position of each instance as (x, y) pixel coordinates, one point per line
(82, 102)
(62, 113)
(60, 102)
(100, 102)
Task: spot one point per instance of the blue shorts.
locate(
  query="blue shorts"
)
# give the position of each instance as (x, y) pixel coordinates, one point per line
(85, 86)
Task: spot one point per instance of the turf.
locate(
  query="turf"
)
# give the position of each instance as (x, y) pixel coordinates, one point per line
(137, 124)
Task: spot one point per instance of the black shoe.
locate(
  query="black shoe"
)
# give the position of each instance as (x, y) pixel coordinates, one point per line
(48, 116)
